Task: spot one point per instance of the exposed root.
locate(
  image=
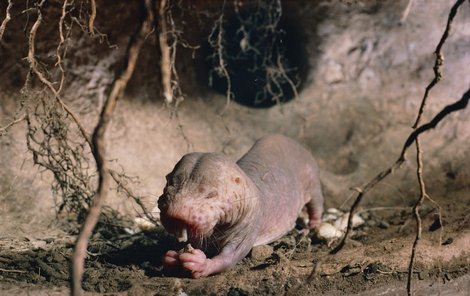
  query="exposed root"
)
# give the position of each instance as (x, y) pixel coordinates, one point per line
(181, 129)
(34, 68)
(165, 65)
(216, 40)
(122, 180)
(91, 21)
(48, 140)
(4, 130)
(99, 146)
(12, 270)
(7, 18)
(273, 61)
(406, 12)
(439, 61)
(254, 48)
(169, 37)
(458, 105)
(48, 128)
(59, 46)
(360, 195)
(419, 202)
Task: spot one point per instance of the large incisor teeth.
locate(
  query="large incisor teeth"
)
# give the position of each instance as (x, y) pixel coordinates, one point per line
(183, 235)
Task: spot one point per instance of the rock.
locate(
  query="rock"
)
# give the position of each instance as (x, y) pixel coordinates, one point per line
(448, 241)
(38, 244)
(342, 222)
(331, 214)
(144, 224)
(334, 211)
(327, 232)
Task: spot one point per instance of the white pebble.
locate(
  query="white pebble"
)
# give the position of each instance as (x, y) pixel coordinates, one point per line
(342, 222)
(144, 224)
(334, 211)
(327, 232)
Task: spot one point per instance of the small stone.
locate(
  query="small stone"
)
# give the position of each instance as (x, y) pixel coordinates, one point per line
(349, 270)
(371, 223)
(144, 224)
(342, 222)
(329, 217)
(448, 241)
(384, 224)
(38, 244)
(261, 253)
(302, 222)
(365, 215)
(334, 211)
(327, 232)
(437, 223)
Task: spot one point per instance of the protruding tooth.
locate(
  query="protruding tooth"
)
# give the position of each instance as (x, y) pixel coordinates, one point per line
(183, 235)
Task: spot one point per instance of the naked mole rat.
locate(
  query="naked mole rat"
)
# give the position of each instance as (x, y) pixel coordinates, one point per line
(224, 208)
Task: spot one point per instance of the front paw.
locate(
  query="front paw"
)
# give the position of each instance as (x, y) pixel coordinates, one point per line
(171, 261)
(196, 262)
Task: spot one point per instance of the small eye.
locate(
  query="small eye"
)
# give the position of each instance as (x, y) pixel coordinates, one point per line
(163, 202)
(237, 180)
(212, 194)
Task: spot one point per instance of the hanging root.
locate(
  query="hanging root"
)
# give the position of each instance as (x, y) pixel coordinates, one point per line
(33, 65)
(165, 51)
(99, 148)
(7, 18)
(91, 21)
(48, 127)
(458, 105)
(4, 130)
(255, 45)
(439, 61)
(169, 37)
(422, 189)
(216, 40)
(121, 180)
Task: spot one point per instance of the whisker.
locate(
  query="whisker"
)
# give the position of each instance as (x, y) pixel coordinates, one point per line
(240, 199)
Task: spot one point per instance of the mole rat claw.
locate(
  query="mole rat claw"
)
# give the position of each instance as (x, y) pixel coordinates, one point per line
(182, 236)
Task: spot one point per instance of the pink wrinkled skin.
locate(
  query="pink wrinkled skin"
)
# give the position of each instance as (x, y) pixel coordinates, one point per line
(226, 208)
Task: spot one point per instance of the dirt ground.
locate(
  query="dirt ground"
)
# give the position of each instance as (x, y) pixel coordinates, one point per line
(362, 88)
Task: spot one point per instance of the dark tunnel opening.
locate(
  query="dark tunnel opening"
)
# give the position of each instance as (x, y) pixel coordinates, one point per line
(264, 54)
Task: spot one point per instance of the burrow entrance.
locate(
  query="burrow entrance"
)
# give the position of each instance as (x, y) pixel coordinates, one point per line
(259, 53)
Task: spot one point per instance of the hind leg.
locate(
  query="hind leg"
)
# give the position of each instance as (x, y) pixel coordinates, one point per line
(315, 207)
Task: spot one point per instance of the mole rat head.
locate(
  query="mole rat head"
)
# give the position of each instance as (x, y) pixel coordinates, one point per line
(200, 194)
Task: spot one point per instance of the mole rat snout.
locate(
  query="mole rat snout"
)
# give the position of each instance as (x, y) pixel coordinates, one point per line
(179, 227)
(173, 225)
(188, 224)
